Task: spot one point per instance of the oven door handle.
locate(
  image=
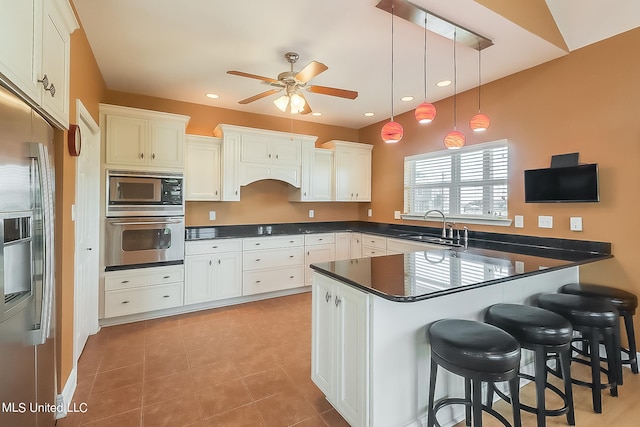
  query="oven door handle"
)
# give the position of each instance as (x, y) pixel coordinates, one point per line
(177, 221)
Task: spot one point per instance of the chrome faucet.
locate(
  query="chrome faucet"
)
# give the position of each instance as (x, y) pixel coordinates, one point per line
(444, 220)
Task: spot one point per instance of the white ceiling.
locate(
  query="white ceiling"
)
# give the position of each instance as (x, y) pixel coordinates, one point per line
(182, 49)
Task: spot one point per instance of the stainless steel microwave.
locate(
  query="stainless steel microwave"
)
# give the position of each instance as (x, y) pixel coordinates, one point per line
(144, 194)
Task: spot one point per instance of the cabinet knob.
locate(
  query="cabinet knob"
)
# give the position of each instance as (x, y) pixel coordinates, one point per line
(327, 297)
(210, 262)
(257, 259)
(125, 302)
(44, 81)
(216, 192)
(291, 256)
(142, 155)
(291, 277)
(125, 281)
(153, 156)
(219, 262)
(214, 247)
(236, 192)
(269, 155)
(166, 277)
(166, 296)
(52, 90)
(276, 156)
(338, 301)
(258, 281)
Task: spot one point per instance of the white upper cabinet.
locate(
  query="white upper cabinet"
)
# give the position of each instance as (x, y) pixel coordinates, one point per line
(146, 140)
(250, 155)
(35, 52)
(317, 175)
(202, 168)
(352, 170)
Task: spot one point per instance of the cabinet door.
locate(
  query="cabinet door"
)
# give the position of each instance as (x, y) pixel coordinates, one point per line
(228, 275)
(126, 140)
(343, 175)
(198, 285)
(317, 253)
(286, 152)
(255, 149)
(352, 327)
(322, 176)
(361, 175)
(20, 44)
(55, 63)
(202, 171)
(166, 146)
(343, 246)
(322, 343)
(231, 167)
(356, 245)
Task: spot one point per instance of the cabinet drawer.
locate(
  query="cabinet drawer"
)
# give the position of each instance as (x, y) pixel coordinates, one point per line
(212, 246)
(368, 251)
(143, 299)
(127, 279)
(374, 241)
(272, 242)
(256, 282)
(319, 239)
(255, 260)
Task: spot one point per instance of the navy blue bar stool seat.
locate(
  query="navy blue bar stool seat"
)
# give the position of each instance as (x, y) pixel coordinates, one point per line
(479, 353)
(593, 318)
(626, 304)
(546, 334)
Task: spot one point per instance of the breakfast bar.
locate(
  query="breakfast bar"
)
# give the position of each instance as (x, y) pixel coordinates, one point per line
(370, 354)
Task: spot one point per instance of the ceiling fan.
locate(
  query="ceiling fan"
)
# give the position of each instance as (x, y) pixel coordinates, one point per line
(292, 81)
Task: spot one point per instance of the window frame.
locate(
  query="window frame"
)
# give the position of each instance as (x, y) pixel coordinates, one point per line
(456, 184)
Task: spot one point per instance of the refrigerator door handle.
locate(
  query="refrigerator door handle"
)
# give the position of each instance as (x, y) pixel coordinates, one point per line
(45, 174)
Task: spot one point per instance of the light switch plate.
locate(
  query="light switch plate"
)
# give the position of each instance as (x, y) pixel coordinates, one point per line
(311, 213)
(575, 223)
(396, 215)
(545, 221)
(519, 221)
(212, 215)
(519, 267)
(370, 213)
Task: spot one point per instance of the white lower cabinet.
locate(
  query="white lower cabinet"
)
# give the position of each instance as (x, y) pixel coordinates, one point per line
(373, 245)
(317, 248)
(272, 263)
(213, 270)
(339, 347)
(143, 289)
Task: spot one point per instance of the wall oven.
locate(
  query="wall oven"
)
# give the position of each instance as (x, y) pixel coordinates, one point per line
(143, 241)
(144, 194)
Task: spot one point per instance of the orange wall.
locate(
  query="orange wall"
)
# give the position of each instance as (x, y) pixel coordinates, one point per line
(587, 102)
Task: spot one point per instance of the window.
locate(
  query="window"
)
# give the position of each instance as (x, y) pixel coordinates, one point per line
(467, 183)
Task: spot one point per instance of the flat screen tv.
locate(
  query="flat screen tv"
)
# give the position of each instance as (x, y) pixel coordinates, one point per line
(567, 184)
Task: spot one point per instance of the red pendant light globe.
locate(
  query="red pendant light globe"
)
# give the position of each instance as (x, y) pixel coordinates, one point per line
(425, 113)
(480, 122)
(454, 140)
(392, 132)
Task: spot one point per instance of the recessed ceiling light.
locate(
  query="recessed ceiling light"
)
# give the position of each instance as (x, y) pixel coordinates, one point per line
(369, 114)
(212, 96)
(443, 83)
(315, 113)
(406, 98)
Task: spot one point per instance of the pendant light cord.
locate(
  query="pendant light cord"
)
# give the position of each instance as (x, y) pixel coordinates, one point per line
(425, 57)
(455, 81)
(392, 95)
(479, 74)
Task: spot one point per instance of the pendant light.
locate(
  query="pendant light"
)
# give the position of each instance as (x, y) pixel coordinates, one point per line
(454, 139)
(392, 131)
(480, 122)
(426, 112)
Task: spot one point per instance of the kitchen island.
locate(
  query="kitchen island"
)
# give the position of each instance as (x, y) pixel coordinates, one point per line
(370, 354)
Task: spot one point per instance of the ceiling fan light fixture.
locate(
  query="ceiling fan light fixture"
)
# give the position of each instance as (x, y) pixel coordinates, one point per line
(282, 103)
(392, 132)
(297, 103)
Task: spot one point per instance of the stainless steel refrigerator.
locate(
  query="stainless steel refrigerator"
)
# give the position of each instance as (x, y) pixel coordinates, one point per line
(27, 321)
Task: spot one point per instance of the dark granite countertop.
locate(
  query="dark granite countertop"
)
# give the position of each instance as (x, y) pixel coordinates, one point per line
(428, 274)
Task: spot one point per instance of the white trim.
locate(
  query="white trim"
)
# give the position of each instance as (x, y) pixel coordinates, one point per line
(503, 222)
(63, 399)
(466, 149)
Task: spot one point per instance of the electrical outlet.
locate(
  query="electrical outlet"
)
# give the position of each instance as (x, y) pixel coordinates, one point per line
(519, 267)
(575, 223)
(396, 215)
(545, 221)
(370, 212)
(311, 213)
(519, 221)
(212, 215)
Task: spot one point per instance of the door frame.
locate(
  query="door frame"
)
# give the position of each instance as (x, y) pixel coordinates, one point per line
(83, 116)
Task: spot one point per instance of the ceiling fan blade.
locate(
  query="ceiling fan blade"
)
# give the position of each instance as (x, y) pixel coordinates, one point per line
(342, 93)
(252, 76)
(310, 71)
(259, 96)
(307, 108)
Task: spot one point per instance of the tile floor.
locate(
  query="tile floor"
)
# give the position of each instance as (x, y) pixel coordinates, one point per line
(245, 365)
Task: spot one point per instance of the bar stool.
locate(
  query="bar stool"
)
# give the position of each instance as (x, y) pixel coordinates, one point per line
(592, 318)
(625, 302)
(478, 352)
(545, 333)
